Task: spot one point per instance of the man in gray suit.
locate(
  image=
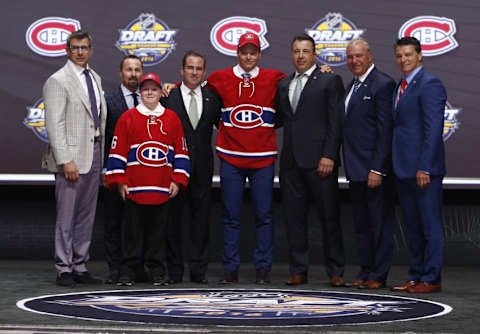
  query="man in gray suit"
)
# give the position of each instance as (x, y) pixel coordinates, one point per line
(75, 112)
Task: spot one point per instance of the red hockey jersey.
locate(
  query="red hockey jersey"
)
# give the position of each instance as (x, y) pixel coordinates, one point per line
(246, 134)
(148, 152)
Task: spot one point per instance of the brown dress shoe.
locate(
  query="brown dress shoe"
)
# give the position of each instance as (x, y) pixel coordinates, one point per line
(229, 277)
(337, 281)
(371, 284)
(424, 287)
(403, 287)
(297, 280)
(262, 277)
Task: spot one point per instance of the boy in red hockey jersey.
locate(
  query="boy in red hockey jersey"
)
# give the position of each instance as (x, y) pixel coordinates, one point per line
(148, 162)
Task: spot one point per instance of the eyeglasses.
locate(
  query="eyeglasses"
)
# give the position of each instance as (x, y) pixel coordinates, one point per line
(78, 48)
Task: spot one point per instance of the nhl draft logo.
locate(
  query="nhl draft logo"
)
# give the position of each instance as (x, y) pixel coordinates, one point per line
(48, 36)
(35, 120)
(148, 38)
(235, 307)
(450, 121)
(225, 34)
(331, 35)
(434, 33)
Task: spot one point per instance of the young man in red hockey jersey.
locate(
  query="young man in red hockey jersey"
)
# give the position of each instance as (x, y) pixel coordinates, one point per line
(148, 163)
(247, 149)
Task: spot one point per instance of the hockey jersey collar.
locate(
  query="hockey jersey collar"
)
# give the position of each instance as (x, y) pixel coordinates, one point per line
(238, 71)
(158, 111)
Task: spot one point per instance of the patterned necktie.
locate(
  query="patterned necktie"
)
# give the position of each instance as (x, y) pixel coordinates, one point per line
(192, 110)
(356, 85)
(297, 92)
(135, 99)
(403, 86)
(93, 100)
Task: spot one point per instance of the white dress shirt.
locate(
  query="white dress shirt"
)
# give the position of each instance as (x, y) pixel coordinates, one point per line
(127, 95)
(361, 78)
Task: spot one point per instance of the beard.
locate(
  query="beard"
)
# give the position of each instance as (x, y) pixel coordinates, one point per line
(132, 83)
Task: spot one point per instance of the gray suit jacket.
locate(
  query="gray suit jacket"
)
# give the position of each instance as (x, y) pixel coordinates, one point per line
(69, 121)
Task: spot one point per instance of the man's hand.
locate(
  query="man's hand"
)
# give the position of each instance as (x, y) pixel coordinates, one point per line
(423, 179)
(325, 69)
(123, 190)
(70, 171)
(374, 180)
(325, 166)
(174, 188)
(167, 88)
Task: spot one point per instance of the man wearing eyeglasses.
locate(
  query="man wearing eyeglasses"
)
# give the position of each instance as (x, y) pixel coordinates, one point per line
(75, 113)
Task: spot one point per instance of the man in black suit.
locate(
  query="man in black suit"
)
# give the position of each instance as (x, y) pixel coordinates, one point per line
(309, 104)
(367, 146)
(121, 99)
(199, 111)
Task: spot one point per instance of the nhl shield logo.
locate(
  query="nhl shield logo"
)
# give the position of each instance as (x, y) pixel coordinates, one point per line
(48, 36)
(434, 33)
(225, 34)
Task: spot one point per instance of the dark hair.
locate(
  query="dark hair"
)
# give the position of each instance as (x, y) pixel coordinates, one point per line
(409, 41)
(303, 37)
(130, 57)
(79, 34)
(193, 53)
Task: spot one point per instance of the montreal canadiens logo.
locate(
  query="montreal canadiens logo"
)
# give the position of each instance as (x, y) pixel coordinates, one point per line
(246, 116)
(434, 33)
(226, 33)
(152, 153)
(48, 36)
(148, 38)
(331, 35)
(450, 121)
(35, 120)
(235, 307)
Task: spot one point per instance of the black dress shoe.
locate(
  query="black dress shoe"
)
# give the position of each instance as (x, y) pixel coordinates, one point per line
(173, 281)
(65, 279)
(85, 278)
(262, 277)
(112, 278)
(229, 277)
(125, 280)
(199, 280)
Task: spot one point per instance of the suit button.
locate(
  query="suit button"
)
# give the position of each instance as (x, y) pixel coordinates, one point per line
(91, 140)
(91, 126)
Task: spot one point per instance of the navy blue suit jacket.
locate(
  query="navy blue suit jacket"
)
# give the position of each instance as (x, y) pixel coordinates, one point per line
(418, 127)
(367, 127)
(116, 106)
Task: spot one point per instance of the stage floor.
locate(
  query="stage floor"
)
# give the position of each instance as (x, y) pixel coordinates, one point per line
(26, 279)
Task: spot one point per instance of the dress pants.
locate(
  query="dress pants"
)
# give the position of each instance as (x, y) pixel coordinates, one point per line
(76, 206)
(261, 186)
(422, 219)
(144, 234)
(196, 201)
(113, 216)
(374, 221)
(298, 185)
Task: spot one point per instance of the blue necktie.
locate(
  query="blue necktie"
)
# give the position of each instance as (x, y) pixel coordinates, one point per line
(93, 100)
(356, 85)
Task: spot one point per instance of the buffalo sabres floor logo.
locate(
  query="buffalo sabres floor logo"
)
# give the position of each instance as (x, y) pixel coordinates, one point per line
(434, 33)
(35, 120)
(148, 38)
(235, 307)
(450, 121)
(331, 35)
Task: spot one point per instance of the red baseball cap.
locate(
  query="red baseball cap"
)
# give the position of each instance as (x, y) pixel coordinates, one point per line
(151, 76)
(249, 38)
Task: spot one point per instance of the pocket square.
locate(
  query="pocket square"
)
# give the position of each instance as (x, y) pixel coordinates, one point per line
(367, 98)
